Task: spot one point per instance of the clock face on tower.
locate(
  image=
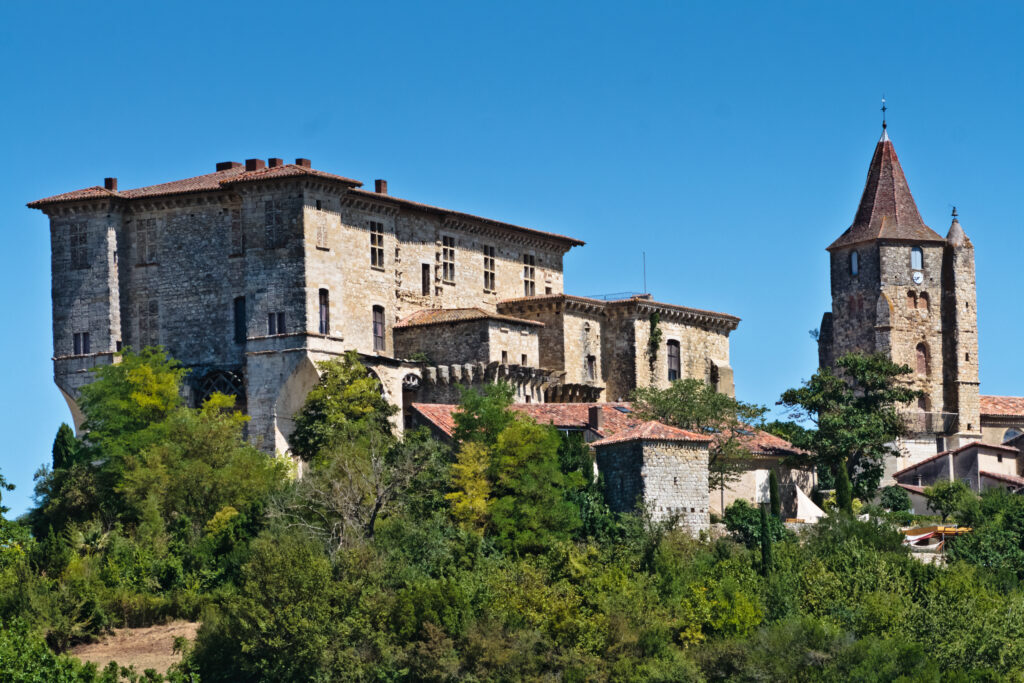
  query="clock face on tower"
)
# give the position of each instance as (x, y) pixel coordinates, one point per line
(918, 277)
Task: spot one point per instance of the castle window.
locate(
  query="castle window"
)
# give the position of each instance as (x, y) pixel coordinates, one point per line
(378, 328)
(78, 239)
(922, 360)
(504, 357)
(448, 259)
(325, 312)
(916, 259)
(81, 343)
(237, 234)
(524, 362)
(145, 250)
(854, 263)
(240, 322)
(425, 279)
(922, 302)
(673, 360)
(911, 300)
(489, 274)
(149, 323)
(591, 367)
(1011, 433)
(275, 323)
(274, 235)
(376, 245)
(529, 275)
(321, 230)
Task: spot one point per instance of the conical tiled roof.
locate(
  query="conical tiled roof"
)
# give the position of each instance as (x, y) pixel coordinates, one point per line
(887, 209)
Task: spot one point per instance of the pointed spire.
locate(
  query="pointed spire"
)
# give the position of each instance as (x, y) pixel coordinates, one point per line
(887, 209)
(956, 236)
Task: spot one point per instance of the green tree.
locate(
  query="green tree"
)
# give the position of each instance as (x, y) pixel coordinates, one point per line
(65, 447)
(896, 499)
(694, 405)
(471, 495)
(947, 497)
(844, 490)
(529, 510)
(4, 486)
(483, 415)
(855, 407)
(773, 494)
(766, 543)
(345, 403)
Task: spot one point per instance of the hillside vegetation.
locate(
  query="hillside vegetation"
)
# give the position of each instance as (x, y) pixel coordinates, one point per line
(494, 559)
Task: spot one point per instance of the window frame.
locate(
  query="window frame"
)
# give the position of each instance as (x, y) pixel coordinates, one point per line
(916, 254)
(376, 244)
(854, 263)
(675, 367)
(379, 340)
(529, 274)
(324, 300)
(78, 245)
(448, 259)
(240, 319)
(490, 269)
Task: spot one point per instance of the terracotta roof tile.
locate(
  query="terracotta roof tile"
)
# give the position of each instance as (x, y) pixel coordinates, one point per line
(441, 316)
(95, 192)
(913, 489)
(1006, 406)
(651, 431)
(887, 209)
(1008, 478)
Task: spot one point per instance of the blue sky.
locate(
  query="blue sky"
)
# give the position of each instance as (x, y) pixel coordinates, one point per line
(729, 141)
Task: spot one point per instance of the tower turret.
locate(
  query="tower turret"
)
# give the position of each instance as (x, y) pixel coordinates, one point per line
(960, 333)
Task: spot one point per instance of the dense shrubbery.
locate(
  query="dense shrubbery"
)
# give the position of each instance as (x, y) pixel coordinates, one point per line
(494, 558)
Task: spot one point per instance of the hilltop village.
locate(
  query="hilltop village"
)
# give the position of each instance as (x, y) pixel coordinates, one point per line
(252, 273)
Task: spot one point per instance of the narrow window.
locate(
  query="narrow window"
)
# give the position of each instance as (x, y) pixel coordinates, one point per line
(149, 323)
(922, 404)
(325, 312)
(504, 357)
(240, 323)
(673, 360)
(524, 363)
(854, 263)
(922, 359)
(591, 367)
(321, 230)
(78, 239)
(922, 302)
(81, 343)
(714, 377)
(378, 328)
(376, 245)
(489, 270)
(916, 259)
(237, 234)
(275, 323)
(547, 290)
(274, 224)
(529, 275)
(911, 300)
(319, 205)
(147, 239)
(448, 259)
(425, 279)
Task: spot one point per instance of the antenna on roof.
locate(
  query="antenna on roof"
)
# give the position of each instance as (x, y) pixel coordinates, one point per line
(883, 111)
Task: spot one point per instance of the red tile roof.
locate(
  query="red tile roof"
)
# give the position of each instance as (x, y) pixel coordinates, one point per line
(1004, 406)
(955, 452)
(577, 416)
(441, 316)
(887, 209)
(1008, 478)
(913, 489)
(651, 431)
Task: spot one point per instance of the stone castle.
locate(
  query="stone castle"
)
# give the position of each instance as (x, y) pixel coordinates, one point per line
(251, 274)
(901, 289)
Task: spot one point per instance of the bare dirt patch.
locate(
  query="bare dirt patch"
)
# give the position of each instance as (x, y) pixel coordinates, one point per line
(144, 648)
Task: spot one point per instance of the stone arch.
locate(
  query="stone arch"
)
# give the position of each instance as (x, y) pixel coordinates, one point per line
(923, 301)
(290, 398)
(883, 310)
(229, 382)
(1011, 433)
(911, 300)
(922, 360)
(77, 416)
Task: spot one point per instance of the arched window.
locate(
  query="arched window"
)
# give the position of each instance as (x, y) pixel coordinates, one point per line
(673, 360)
(922, 359)
(911, 300)
(591, 368)
(854, 263)
(325, 312)
(378, 328)
(922, 302)
(1011, 433)
(916, 259)
(922, 404)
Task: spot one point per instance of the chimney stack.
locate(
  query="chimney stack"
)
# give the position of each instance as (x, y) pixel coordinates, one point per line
(254, 164)
(228, 165)
(380, 186)
(595, 418)
(305, 163)
(274, 162)
(110, 184)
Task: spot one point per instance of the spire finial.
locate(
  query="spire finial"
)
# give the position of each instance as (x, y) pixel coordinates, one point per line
(954, 212)
(883, 112)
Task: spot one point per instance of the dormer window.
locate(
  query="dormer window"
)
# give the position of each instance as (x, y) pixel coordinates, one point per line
(916, 259)
(854, 263)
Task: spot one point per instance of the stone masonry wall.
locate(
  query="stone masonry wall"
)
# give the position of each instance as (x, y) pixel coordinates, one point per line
(701, 350)
(470, 341)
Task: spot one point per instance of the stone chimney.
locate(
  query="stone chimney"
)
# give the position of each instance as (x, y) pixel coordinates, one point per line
(254, 164)
(274, 162)
(228, 165)
(305, 163)
(595, 418)
(380, 186)
(110, 184)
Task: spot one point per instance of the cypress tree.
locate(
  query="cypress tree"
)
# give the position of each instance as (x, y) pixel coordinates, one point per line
(844, 494)
(766, 543)
(773, 494)
(64, 447)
